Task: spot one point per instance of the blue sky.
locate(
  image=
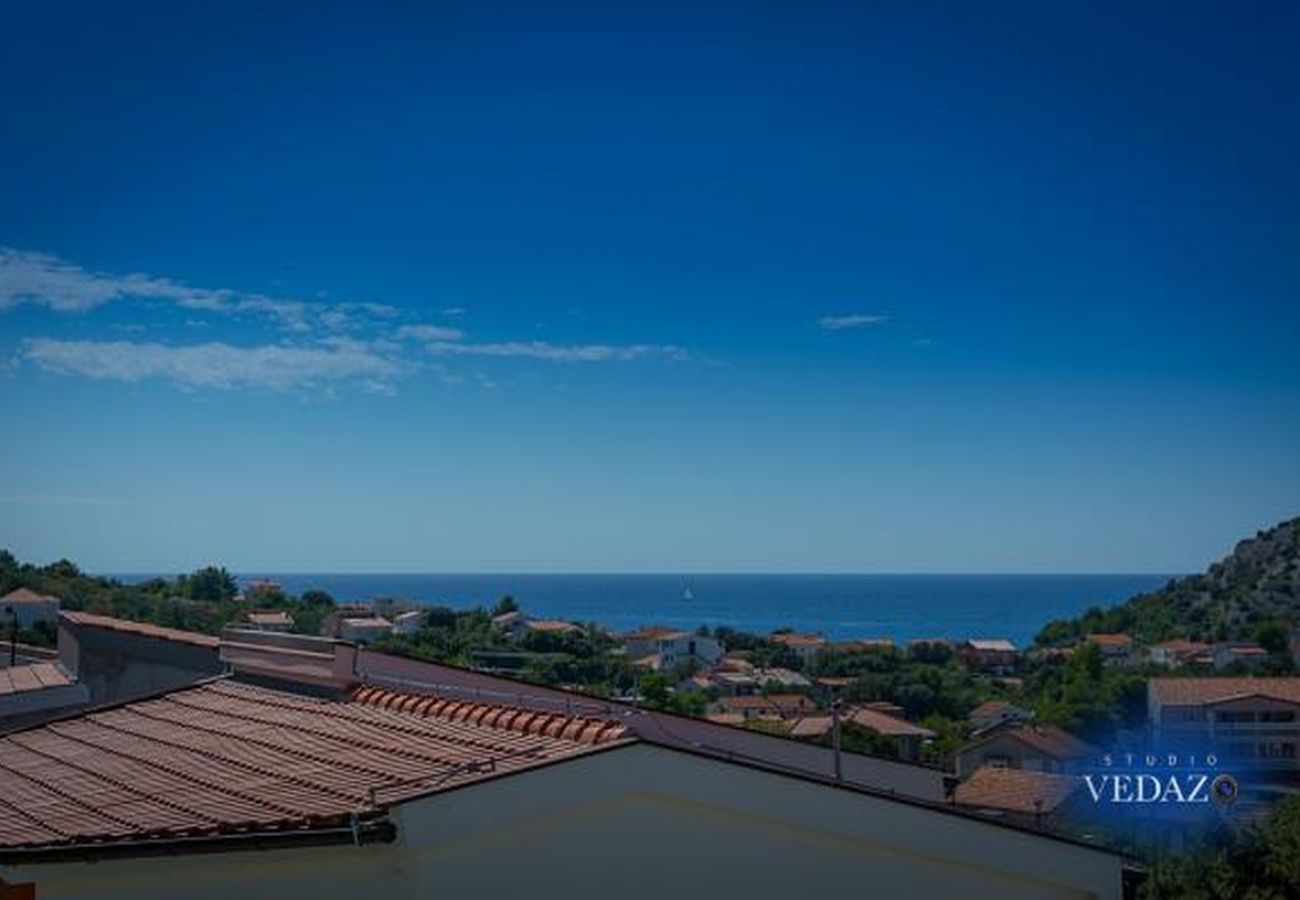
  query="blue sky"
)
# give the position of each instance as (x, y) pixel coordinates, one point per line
(608, 287)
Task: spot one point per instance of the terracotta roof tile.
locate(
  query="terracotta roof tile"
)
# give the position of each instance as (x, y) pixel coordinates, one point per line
(1196, 691)
(229, 756)
(24, 596)
(1110, 640)
(1015, 790)
(143, 629)
(1054, 742)
(887, 725)
(34, 677)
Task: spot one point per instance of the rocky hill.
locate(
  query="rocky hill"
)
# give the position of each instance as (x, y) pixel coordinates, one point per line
(1257, 586)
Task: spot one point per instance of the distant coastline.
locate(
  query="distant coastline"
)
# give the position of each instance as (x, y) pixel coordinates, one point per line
(899, 607)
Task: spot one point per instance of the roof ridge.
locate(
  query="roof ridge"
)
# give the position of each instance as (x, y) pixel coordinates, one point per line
(582, 729)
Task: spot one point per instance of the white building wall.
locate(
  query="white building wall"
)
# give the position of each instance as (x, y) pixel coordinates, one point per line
(636, 822)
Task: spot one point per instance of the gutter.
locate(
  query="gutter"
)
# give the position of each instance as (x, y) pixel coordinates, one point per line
(357, 833)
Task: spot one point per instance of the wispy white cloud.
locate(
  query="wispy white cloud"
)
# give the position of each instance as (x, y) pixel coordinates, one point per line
(851, 320)
(276, 367)
(45, 280)
(561, 352)
(429, 333)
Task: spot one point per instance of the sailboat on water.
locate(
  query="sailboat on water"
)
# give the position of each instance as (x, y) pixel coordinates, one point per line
(686, 592)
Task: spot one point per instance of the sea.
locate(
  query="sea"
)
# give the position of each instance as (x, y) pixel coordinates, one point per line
(842, 607)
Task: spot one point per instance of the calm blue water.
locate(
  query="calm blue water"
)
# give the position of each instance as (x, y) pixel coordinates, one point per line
(840, 606)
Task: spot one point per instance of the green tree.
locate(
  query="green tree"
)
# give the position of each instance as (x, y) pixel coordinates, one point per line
(211, 584)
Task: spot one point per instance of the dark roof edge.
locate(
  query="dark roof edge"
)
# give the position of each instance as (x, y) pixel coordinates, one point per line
(358, 832)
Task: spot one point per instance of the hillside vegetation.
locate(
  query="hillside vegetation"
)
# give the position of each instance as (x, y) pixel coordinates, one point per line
(1252, 594)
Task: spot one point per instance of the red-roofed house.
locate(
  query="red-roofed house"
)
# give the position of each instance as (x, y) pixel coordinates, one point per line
(1255, 720)
(28, 608)
(1175, 653)
(807, 646)
(995, 655)
(1034, 748)
(1115, 648)
(672, 647)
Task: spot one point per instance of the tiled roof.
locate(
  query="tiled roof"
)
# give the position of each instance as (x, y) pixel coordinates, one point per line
(270, 617)
(1110, 640)
(999, 645)
(554, 626)
(991, 709)
(811, 727)
(143, 629)
(1196, 691)
(22, 596)
(655, 633)
(376, 622)
(229, 757)
(799, 640)
(1180, 645)
(887, 725)
(34, 677)
(1014, 790)
(1054, 742)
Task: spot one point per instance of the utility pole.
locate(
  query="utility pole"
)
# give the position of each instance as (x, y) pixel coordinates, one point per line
(835, 738)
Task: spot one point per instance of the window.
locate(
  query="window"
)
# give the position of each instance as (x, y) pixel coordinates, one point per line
(1277, 715)
(1234, 716)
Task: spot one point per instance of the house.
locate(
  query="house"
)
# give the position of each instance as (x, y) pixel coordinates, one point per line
(1175, 653)
(806, 646)
(1239, 655)
(1254, 720)
(335, 787)
(906, 737)
(772, 706)
(552, 626)
(1036, 798)
(995, 713)
(364, 630)
(27, 607)
(510, 623)
(409, 622)
(673, 647)
(1116, 649)
(1033, 748)
(995, 655)
(269, 620)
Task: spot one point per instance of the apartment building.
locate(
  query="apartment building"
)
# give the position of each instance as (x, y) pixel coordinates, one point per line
(1252, 720)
